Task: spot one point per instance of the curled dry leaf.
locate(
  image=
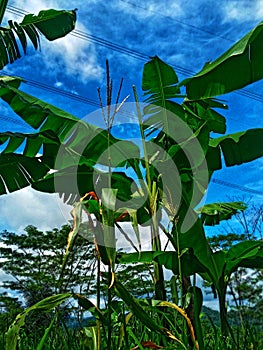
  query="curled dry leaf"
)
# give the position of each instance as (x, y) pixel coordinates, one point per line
(148, 345)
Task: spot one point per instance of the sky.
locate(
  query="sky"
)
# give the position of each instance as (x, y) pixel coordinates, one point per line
(183, 33)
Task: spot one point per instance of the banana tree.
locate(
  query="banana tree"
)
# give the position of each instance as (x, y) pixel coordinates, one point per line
(180, 125)
(223, 264)
(161, 84)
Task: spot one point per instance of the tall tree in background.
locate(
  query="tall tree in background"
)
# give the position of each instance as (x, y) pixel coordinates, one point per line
(245, 287)
(33, 261)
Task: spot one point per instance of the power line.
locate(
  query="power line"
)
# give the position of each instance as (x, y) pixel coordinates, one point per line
(141, 56)
(178, 21)
(105, 43)
(13, 120)
(236, 186)
(57, 91)
(17, 11)
(124, 50)
(136, 54)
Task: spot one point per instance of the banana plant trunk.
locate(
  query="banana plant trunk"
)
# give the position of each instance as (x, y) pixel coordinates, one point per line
(223, 315)
(225, 326)
(159, 285)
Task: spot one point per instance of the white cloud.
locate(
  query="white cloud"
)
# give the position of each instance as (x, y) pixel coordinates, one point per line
(151, 8)
(58, 84)
(145, 238)
(212, 304)
(243, 10)
(29, 207)
(34, 6)
(73, 56)
(69, 55)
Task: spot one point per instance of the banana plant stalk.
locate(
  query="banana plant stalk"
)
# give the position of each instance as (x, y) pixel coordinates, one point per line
(153, 192)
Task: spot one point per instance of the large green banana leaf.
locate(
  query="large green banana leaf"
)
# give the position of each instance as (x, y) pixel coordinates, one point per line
(189, 262)
(223, 264)
(29, 144)
(237, 148)
(53, 24)
(75, 133)
(63, 141)
(213, 213)
(36, 113)
(18, 171)
(160, 84)
(241, 65)
(74, 182)
(202, 110)
(3, 4)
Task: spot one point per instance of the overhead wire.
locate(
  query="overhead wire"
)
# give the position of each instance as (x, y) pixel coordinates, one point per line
(141, 56)
(124, 50)
(174, 19)
(237, 187)
(13, 120)
(57, 90)
(136, 54)
(106, 43)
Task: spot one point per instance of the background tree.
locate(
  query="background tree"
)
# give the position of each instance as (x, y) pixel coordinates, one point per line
(33, 260)
(245, 288)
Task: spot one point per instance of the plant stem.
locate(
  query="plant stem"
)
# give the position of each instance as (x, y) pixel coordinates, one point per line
(160, 292)
(179, 265)
(225, 326)
(146, 158)
(109, 309)
(98, 300)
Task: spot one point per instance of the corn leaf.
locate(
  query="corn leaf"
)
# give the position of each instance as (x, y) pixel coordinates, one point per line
(46, 304)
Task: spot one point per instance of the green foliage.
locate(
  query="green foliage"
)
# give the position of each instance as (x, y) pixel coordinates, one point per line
(3, 5)
(10, 307)
(213, 214)
(34, 259)
(73, 148)
(244, 287)
(48, 117)
(49, 303)
(235, 146)
(18, 171)
(236, 68)
(135, 307)
(53, 24)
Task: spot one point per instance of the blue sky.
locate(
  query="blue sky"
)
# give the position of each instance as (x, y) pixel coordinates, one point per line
(183, 33)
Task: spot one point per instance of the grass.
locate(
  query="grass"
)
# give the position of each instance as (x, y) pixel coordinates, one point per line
(131, 334)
